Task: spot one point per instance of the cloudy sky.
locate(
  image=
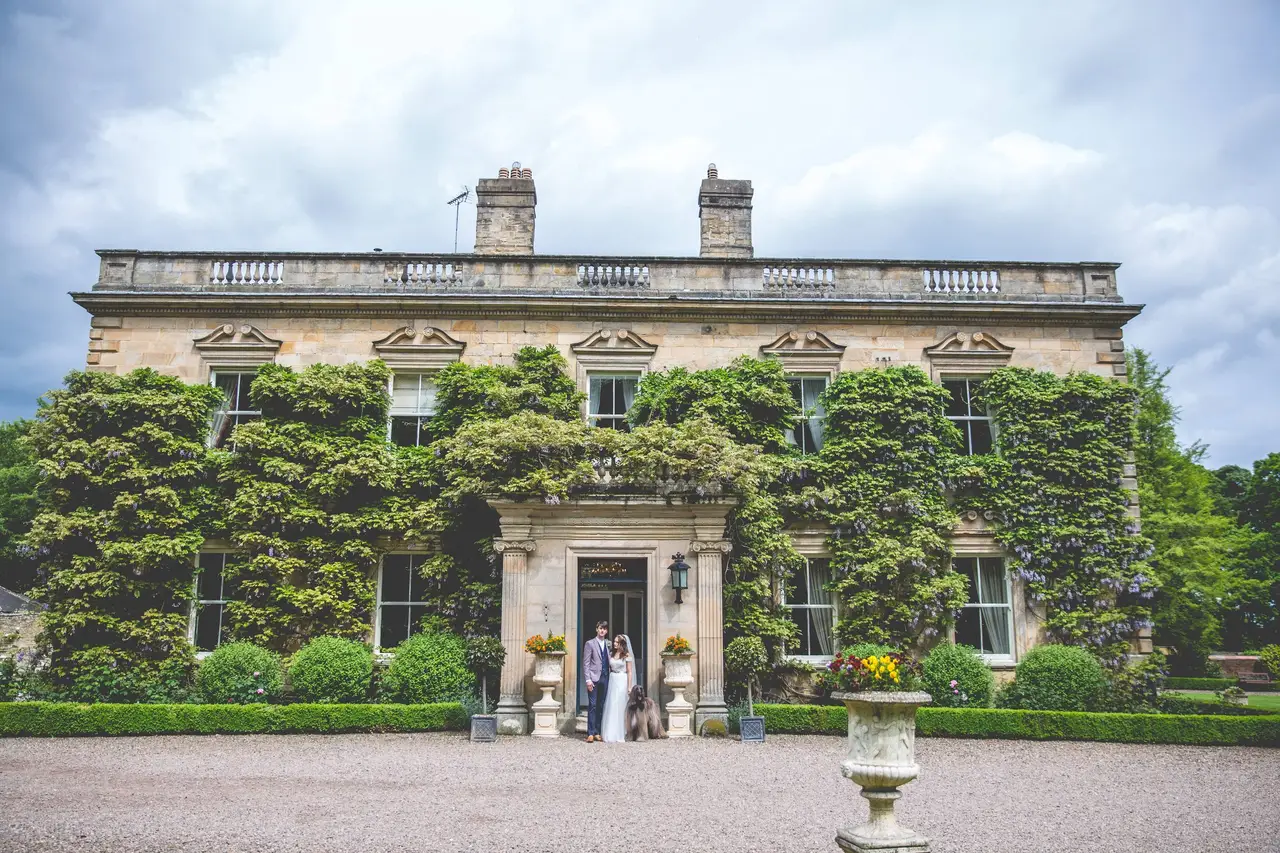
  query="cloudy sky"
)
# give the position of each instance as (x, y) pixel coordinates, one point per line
(1140, 132)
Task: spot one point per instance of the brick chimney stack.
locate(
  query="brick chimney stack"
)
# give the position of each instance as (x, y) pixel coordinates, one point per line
(505, 212)
(725, 210)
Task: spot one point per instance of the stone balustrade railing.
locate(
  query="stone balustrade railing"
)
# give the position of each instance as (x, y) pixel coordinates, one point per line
(765, 278)
(608, 471)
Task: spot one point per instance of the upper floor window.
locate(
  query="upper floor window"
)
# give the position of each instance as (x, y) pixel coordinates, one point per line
(807, 434)
(812, 607)
(986, 622)
(235, 407)
(974, 421)
(209, 622)
(401, 599)
(610, 399)
(413, 402)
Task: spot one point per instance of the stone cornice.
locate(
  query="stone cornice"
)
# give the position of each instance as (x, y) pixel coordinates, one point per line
(507, 305)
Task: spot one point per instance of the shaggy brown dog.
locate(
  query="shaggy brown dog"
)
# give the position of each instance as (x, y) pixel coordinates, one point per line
(643, 721)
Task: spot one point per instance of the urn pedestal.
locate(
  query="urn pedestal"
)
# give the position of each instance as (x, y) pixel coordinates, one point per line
(882, 758)
(677, 673)
(548, 672)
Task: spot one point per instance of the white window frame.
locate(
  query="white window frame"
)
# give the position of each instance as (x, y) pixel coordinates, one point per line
(991, 657)
(198, 602)
(834, 607)
(425, 377)
(610, 374)
(414, 561)
(230, 413)
(793, 434)
(969, 378)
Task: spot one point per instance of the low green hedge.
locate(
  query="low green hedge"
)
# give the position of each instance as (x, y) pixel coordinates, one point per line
(53, 719)
(1174, 683)
(1201, 729)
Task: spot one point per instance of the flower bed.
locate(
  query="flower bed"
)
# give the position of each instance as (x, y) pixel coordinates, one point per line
(60, 719)
(1201, 729)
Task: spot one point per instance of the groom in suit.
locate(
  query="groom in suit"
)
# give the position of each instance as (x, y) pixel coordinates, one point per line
(595, 668)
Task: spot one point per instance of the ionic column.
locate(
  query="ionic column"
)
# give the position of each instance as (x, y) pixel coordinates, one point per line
(513, 715)
(710, 648)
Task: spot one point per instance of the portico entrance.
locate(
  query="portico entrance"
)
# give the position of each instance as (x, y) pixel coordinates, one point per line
(612, 590)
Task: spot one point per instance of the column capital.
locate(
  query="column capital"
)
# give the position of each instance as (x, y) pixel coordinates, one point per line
(722, 546)
(526, 546)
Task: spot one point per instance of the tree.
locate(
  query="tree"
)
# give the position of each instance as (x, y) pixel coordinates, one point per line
(1198, 546)
(18, 477)
(1260, 510)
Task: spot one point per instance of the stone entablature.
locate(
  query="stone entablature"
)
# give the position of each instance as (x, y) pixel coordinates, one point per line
(636, 277)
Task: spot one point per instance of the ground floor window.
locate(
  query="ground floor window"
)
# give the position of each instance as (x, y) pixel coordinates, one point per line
(986, 622)
(401, 599)
(209, 622)
(812, 607)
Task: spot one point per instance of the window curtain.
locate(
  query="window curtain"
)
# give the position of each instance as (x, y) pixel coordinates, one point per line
(219, 421)
(822, 616)
(811, 391)
(628, 393)
(995, 620)
(596, 394)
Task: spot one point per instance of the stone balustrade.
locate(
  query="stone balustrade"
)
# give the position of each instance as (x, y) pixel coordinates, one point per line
(391, 273)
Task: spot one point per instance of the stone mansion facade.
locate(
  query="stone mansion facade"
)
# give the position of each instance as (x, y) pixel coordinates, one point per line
(216, 316)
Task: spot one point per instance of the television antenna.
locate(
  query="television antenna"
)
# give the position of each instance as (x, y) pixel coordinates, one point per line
(457, 201)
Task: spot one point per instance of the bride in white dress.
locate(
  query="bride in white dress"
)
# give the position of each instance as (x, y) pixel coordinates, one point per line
(613, 723)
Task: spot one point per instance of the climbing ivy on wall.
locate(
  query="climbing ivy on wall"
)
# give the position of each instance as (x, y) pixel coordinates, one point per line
(307, 484)
(879, 482)
(1059, 504)
(122, 465)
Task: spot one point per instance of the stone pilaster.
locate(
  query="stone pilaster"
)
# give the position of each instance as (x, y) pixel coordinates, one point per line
(513, 714)
(710, 648)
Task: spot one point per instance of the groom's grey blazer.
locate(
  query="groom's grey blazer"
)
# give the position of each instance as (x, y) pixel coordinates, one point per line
(593, 666)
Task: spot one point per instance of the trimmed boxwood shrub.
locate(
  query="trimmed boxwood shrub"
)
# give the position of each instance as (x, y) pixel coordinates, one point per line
(428, 668)
(974, 682)
(241, 673)
(331, 669)
(60, 719)
(1175, 683)
(1203, 729)
(1057, 678)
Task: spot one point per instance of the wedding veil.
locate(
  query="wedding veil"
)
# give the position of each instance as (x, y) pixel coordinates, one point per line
(635, 676)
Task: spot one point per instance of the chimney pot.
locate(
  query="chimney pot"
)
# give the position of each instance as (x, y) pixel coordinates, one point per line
(713, 172)
(504, 173)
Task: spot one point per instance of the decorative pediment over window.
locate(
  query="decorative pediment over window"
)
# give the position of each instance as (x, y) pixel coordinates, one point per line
(620, 348)
(962, 352)
(423, 347)
(805, 352)
(232, 345)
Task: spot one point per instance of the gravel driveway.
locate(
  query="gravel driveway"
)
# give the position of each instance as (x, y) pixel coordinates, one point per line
(367, 793)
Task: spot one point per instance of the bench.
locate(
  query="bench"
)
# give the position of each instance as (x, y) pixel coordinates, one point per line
(1253, 678)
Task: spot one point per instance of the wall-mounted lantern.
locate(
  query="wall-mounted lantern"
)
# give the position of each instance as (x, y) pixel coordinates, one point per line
(679, 576)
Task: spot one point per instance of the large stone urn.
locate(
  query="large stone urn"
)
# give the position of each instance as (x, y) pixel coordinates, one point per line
(882, 758)
(677, 673)
(548, 672)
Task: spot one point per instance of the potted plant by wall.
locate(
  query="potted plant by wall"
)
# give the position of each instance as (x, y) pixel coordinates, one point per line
(881, 694)
(677, 673)
(745, 660)
(485, 657)
(548, 672)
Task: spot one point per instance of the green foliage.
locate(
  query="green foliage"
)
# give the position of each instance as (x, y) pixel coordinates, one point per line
(989, 723)
(121, 459)
(866, 650)
(956, 677)
(50, 719)
(745, 659)
(331, 670)
(1259, 620)
(1060, 506)
(1135, 688)
(1058, 678)
(527, 455)
(428, 668)
(240, 673)
(18, 503)
(880, 479)
(306, 486)
(1197, 549)
(1270, 656)
(536, 384)
(1182, 683)
(714, 729)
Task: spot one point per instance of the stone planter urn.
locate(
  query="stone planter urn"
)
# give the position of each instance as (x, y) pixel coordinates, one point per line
(677, 673)
(548, 673)
(882, 758)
